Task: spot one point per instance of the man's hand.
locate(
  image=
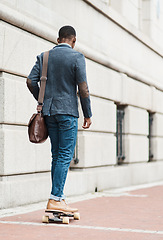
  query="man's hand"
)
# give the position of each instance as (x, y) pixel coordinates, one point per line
(87, 123)
(39, 108)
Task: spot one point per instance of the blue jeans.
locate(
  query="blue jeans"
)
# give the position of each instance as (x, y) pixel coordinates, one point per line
(62, 132)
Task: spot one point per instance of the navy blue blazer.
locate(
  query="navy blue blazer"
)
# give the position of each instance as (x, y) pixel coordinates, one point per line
(66, 71)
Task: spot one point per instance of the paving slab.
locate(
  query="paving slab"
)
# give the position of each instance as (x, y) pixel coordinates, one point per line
(128, 215)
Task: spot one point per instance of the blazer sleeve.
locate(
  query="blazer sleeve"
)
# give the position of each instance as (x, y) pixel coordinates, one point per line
(34, 78)
(83, 86)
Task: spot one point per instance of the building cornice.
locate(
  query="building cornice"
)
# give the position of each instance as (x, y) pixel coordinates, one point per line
(21, 21)
(112, 15)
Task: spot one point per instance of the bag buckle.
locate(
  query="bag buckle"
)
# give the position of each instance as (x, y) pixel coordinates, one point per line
(43, 78)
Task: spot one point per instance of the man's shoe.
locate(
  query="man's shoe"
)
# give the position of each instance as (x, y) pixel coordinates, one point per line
(63, 202)
(61, 206)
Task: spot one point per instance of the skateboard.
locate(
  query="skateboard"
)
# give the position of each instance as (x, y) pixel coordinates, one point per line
(60, 216)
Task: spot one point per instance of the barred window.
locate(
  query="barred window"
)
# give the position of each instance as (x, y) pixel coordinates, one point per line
(150, 131)
(120, 134)
(75, 156)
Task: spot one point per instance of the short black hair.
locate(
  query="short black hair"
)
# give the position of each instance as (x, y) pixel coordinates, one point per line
(66, 32)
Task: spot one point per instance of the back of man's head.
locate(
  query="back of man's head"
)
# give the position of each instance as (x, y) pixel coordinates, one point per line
(66, 32)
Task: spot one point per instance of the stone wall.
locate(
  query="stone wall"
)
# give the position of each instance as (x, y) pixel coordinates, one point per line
(124, 67)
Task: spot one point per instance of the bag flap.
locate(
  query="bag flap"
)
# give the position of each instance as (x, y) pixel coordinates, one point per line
(32, 118)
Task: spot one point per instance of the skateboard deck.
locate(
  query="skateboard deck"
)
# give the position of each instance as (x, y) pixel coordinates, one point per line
(60, 216)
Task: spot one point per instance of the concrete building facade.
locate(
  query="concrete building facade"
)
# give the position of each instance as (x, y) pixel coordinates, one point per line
(122, 43)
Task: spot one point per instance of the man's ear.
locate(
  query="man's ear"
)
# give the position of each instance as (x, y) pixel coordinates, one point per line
(73, 42)
(74, 39)
(58, 40)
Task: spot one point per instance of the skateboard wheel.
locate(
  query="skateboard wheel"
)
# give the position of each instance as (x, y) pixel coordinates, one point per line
(65, 220)
(77, 216)
(45, 219)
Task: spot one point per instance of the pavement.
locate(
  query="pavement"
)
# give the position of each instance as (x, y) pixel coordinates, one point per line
(134, 213)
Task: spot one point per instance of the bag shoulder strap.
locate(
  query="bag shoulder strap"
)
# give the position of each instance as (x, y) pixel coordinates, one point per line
(43, 78)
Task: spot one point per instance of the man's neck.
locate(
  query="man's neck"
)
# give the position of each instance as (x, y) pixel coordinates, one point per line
(65, 43)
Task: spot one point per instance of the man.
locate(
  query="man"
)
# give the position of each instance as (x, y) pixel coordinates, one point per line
(66, 71)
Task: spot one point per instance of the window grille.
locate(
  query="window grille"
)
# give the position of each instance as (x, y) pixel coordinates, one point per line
(75, 156)
(120, 134)
(150, 119)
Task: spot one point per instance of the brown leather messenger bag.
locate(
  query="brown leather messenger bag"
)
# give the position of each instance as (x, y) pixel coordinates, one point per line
(37, 130)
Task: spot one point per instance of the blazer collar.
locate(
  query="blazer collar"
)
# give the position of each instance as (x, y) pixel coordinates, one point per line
(63, 45)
